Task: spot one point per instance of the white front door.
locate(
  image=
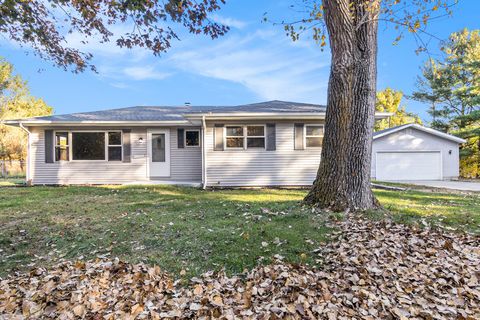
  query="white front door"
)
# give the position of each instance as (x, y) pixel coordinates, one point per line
(159, 153)
(416, 165)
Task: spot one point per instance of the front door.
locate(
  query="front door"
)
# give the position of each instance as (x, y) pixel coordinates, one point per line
(159, 153)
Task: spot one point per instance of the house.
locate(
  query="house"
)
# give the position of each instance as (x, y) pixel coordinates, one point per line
(271, 143)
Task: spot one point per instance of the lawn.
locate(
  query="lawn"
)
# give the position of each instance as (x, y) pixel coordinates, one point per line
(188, 229)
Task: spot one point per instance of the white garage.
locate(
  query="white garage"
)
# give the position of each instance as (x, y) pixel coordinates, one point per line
(414, 152)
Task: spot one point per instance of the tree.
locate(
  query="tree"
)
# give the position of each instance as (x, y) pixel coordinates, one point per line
(16, 102)
(42, 25)
(470, 151)
(343, 178)
(389, 100)
(451, 86)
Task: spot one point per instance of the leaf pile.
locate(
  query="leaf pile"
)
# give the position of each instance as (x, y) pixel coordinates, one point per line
(372, 270)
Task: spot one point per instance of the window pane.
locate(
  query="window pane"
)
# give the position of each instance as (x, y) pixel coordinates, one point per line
(314, 141)
(234, 142)
(235, 131)
(61, 139)
(314, 131)
(115, 138)
(61, 146)
(88, 146)
(114, 153)
(61, 153)
(192, 138)
(255, 142)
(158, 147)
(255, 131)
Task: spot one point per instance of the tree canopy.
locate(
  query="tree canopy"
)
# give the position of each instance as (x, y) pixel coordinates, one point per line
(43, 25)
(16, 102)
(389, 100)
(451, 87)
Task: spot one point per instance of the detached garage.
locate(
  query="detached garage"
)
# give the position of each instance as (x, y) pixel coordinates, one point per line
(414, 152)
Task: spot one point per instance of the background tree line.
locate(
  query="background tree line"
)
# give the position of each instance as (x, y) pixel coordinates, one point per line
(16, 102)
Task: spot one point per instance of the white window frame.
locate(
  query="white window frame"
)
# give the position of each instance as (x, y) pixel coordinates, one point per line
(115, 145)
(245, 136)
(70, 140)
(316, 136)
(185, 138)
(69, 145)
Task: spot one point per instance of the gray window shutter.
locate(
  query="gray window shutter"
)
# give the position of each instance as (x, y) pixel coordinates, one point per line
(49, 146)
(271, 137)
(180, 138)
(218, 138)
(127, 145)
(299, 136)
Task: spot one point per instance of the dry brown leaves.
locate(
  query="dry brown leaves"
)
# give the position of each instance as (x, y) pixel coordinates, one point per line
(373, 270)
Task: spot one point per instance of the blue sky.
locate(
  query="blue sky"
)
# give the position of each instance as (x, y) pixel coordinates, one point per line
(254, 62)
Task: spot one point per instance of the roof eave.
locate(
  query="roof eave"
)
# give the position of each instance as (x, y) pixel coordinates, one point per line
(43, 123)
(424, 129)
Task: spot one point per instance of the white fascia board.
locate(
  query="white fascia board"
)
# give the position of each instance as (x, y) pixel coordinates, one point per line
(424, 129)
(268, 115)
(383, 115)
(102, 123)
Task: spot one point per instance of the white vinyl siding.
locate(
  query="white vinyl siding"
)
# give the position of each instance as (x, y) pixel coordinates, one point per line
(185, 163)
(259, 167)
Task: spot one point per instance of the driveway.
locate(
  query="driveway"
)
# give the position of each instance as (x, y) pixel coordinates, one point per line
(454, 185)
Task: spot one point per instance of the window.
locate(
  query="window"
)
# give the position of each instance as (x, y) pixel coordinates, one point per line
(255, 137)
(61, 146)
(244, 137)
(88, 146)
(234, 136)
(158, 147)
(115, 146)
(313, 136)
(192, 138)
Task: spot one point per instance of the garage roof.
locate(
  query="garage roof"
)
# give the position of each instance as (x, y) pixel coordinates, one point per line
(431, 131)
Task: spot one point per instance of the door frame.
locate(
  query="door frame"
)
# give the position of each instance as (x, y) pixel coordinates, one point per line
(409, 151)
(166, 131)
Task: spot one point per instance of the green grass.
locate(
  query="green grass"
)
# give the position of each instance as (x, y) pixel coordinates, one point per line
(457, 211)
(11, 182)
(188, 229)
(176, 228)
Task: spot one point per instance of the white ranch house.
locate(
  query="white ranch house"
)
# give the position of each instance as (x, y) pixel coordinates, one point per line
(273, 143)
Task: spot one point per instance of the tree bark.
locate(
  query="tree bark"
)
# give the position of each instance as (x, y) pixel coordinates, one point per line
(343, 178)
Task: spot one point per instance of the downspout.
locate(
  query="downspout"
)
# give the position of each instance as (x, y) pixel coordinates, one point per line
(204, 157)
(28, 180)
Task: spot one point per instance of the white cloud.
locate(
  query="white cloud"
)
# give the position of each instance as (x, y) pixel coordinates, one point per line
(144, 73)
(264, 63)
(231, 22)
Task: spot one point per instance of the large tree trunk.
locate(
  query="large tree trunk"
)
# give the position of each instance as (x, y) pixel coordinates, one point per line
(343, 178)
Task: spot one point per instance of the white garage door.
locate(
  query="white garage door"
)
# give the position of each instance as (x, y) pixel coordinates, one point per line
(409, 166)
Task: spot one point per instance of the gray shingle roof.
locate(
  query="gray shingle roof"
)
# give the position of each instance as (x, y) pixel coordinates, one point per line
(122, 114)
(158, 113)
(274, 106)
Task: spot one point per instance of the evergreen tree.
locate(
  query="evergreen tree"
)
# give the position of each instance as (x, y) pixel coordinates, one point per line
(451, 86)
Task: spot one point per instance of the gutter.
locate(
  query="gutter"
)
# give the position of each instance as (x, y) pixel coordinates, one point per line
(28, 180)
(269, 115)
(204, 158)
